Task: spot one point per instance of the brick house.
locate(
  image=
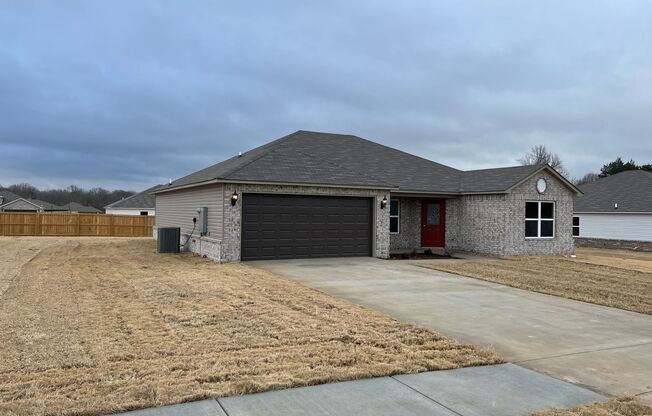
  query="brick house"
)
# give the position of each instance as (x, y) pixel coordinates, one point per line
(313, 194)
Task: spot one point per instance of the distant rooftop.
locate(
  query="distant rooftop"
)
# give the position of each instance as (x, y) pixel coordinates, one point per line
(144, 200)
(631, 190)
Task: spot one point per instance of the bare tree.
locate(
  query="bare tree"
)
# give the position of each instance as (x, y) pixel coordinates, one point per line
(96, 197)
(540, 155)
(589, 177)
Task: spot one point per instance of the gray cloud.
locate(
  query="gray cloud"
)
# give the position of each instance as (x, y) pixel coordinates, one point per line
(130, 93)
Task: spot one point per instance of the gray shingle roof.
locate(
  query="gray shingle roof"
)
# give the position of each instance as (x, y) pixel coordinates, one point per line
(337, 159)
(77, 207)
(496, 179)
(6, 196)
(36, 203)
(144, 199)
(48, 206)
(631, 190)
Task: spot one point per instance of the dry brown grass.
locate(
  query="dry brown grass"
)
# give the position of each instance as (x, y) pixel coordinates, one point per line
(612, 278)
(97, 325)
(616, 407)
(624, 259)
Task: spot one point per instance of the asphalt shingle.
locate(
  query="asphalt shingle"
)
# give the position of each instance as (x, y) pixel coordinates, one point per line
(631, 190)
(144, 199)
(337, 159)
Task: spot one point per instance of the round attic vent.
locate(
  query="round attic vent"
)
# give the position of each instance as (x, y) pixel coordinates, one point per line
(541, 185)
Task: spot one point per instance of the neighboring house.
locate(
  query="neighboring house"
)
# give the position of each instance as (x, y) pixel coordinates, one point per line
(6, 197)
(142, 203)
(20, 204)
(30, 205)
(617, 207)
(315, 194)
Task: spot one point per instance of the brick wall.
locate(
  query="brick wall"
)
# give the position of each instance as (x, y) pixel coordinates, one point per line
(495, 224)
(409, 235)
(562, 243)
(477, 223)
(232, 220)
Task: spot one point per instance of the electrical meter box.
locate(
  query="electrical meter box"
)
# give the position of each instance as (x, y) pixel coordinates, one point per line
(202, 220)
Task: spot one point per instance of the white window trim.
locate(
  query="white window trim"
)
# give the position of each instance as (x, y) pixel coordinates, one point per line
(397, 216)
(573, 226)
(539, 219)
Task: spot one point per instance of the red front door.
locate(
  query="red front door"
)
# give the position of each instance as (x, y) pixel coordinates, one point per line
(433, 223)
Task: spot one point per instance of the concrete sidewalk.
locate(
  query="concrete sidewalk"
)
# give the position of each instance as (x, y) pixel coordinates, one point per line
(498, 390)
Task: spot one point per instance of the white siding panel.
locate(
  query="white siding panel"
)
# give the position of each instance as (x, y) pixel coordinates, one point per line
(124, 211)
(616, 226)
(176, 209)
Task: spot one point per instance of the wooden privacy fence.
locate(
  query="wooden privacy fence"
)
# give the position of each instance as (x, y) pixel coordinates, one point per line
(74, 224)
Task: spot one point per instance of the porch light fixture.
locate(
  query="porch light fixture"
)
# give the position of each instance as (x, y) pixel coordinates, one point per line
(383, 203)
(234, 198)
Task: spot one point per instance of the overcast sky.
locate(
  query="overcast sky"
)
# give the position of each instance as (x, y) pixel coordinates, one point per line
(129, 93)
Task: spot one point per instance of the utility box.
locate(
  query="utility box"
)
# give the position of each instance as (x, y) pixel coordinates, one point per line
(168, 240)
(202, 220)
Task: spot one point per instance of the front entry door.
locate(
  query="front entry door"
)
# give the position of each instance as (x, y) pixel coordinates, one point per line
(433, 223)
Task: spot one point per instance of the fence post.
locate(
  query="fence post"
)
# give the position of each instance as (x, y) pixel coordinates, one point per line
(37, 224)
(111, 228)
(78, 224)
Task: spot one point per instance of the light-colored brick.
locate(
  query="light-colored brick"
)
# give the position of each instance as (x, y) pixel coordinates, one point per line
(490, 224)
(493, 223)
(233, 214)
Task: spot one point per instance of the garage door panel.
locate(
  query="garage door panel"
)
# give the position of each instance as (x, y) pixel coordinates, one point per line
(294, 226)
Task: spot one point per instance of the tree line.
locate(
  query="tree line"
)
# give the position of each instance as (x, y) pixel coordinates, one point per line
(540, 155)
(94, 197)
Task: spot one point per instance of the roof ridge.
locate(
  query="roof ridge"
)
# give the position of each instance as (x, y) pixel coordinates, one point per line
(506, 167)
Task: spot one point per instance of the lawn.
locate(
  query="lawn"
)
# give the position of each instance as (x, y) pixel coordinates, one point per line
(616, 278)
(615, 407)
(97, 325)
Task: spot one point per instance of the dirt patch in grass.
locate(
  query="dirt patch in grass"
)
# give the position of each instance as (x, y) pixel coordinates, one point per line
(596, 276)
(615, 407)
(95, 325)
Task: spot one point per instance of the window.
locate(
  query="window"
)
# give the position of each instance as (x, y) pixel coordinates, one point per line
(433, 214)
(576, 226)
(144, 213)
(539, 219)
(394, 209)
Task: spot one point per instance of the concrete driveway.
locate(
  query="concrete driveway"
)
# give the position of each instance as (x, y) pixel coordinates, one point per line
(606, 349)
